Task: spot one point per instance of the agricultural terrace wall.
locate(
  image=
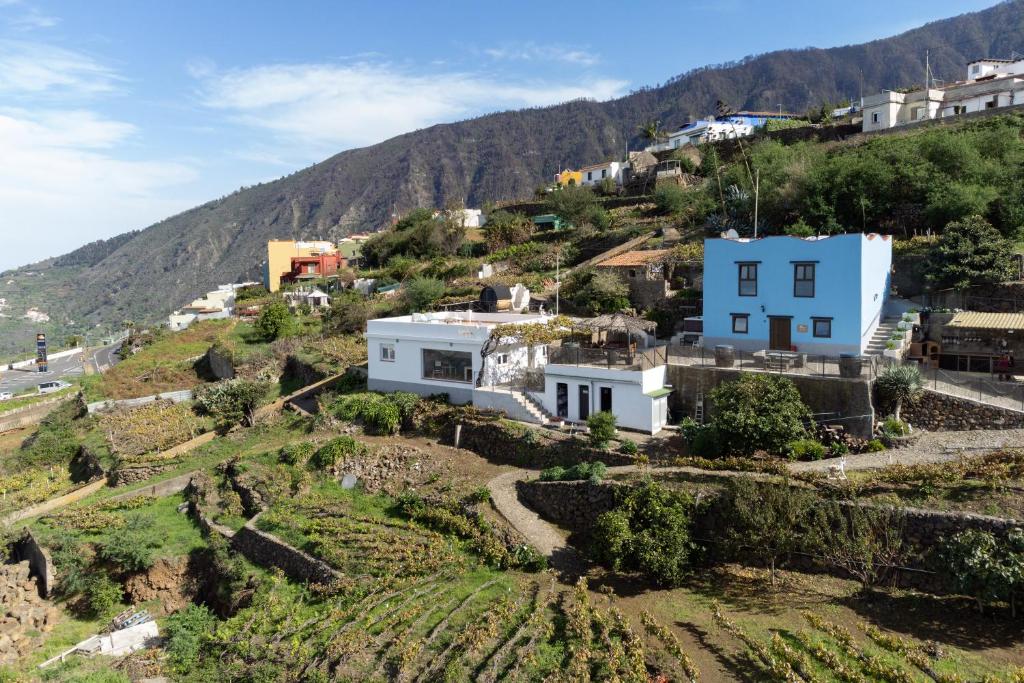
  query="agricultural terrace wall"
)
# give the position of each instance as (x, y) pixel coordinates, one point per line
(31, 414)
(509, 443)
(40, 565)
(268, 550)
(221, 363)
(159, 462)
(938, 412)
(578, 504)
(834, 400)
(160, 489)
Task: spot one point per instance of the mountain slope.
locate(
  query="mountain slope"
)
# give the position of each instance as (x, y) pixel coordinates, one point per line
(500, 156)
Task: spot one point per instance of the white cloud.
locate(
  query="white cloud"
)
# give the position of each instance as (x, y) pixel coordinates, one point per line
(361, 103)
(531, 52)
(28, 68)
(33, 19)
(60, 185)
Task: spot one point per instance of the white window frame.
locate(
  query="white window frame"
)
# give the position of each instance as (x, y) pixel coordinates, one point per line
(387, 353)
(501, 359)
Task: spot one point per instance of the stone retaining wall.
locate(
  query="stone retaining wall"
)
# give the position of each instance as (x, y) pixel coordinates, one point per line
(268, 550)
(160, 489)
(939, 412)
(577, 505)
(846, 398)
(504, 442)
(25, 614)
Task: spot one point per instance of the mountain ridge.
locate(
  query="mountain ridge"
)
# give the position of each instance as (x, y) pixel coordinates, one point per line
(503, 155)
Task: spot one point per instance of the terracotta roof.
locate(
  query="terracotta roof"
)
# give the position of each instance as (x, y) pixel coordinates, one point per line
(987, 321)
(635, 258)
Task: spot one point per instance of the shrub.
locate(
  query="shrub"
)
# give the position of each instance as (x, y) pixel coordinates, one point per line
(593, 292)
(805, 449)
(575, 204)
(186, 630)
(702, 440)
(232, 401)
(422, 292)
(893, 427)
(865, 542)
(296, 453)
(130, 547)
(628, 447)
(984, 566)
(839, 448)
(335, 451)
(406, 402)
(647, 531)
(103, 595)
(602, 428)
(874, 446)
(593, 471)
(382, 417)
(758, 412)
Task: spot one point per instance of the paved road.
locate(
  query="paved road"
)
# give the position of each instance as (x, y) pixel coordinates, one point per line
(66, 369)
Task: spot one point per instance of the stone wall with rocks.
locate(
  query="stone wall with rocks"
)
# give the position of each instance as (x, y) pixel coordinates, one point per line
(220, 362)
(23, 613)
(267, 550)
(123, 476)
(578, 504)
(939, 412)
(510, 443)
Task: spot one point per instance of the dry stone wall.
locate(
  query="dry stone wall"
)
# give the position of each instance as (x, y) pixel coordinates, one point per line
(23, 613)
(939, 412)
(578, 504)
(267, 550)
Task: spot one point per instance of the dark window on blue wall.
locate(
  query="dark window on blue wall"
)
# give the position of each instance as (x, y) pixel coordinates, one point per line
(803, 279)
(740, 323)
(822, 327)
(748, 279)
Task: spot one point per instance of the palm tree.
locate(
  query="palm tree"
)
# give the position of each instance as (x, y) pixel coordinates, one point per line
(651, 130)
(898, 384)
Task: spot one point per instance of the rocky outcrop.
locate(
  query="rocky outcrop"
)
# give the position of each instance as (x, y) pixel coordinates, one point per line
(939, 412)
(24, 613)
(168, 581)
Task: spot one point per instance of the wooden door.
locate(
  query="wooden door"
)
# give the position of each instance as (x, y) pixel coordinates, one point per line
(779, 338)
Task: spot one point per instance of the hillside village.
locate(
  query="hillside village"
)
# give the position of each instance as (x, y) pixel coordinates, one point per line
(744, 404)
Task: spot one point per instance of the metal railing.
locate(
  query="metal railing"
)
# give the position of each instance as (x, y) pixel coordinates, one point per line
(624, 358)
(977, 386)
(778, 362)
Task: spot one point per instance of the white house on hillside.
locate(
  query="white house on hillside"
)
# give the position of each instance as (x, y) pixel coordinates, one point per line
(594, 174)
(434, 353)
(990, 84)
(705, 130)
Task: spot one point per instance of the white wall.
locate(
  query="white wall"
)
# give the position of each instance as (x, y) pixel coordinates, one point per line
(632, 409)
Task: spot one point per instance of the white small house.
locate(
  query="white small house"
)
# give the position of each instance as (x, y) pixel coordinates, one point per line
(435, 353)
(595, 174)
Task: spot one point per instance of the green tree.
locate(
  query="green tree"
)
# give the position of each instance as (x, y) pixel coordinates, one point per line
(504, 229)
(984, 566)
(865, 542)
(970, 252)
(652, 131)
(899, 384)
(232, 401)
(592, 292)
(758, 412)
(73, 341)
(348, 313)
(186, 630)
(275, 321)
(647, 531)
(131, 547)
(573, 204)
(422, 292)
(766, 520)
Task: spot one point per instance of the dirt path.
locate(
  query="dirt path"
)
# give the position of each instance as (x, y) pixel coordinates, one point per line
(542, 535)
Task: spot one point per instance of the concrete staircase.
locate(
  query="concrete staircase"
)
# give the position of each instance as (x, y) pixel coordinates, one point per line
(881, 336)
(516, 404)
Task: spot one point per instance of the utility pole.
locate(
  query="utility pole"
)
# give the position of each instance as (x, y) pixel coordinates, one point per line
(757, 190)
(558, 282)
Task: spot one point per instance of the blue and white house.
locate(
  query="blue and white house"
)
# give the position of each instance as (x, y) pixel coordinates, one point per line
(821, 295)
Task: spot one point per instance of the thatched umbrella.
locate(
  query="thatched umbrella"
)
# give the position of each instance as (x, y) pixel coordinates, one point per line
(620, 322)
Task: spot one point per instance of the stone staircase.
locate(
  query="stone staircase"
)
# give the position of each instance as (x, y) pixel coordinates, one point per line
(516, 404)
(881, 336)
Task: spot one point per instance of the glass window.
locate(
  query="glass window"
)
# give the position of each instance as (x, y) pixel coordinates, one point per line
(501, 359)
(803, 279)
(449, 366)
(604, 172)
(740, 323)
(748, 279)
(387, 352)
(822, 327)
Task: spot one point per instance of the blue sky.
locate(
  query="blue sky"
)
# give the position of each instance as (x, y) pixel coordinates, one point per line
(114, 115)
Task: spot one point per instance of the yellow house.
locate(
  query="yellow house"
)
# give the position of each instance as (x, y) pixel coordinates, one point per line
(569, 177)
(280, 254)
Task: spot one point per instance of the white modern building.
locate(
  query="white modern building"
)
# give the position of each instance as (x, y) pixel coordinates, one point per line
(220, 303)
(990, 84)
(595, 173)
(435, 353)
(705, 130)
